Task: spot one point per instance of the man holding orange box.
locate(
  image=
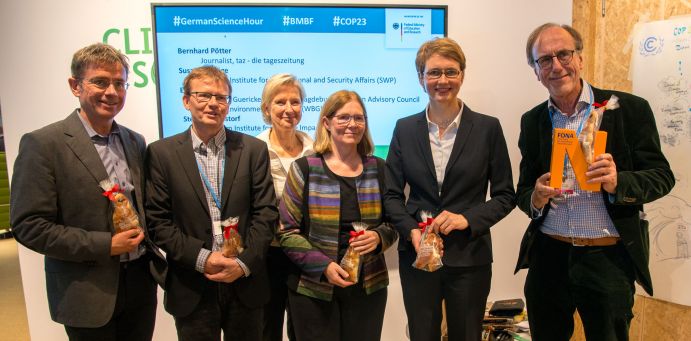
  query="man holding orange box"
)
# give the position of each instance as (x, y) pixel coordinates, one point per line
(585, 249)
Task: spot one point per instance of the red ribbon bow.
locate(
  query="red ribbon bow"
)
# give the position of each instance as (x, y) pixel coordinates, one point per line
(226, 230)
(598, 105)
(354, 234)
(110, 194)
(423, 225)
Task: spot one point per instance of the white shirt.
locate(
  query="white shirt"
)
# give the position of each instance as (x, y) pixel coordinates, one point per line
(442, 146)
(583, 214)
(281, 166)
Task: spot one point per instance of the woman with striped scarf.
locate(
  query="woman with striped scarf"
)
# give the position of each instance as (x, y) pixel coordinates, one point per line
(324, 194)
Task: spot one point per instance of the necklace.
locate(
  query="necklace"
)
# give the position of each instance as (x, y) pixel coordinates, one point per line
(287, 148)
(443, 124)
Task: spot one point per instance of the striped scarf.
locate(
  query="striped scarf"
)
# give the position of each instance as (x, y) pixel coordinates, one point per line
(321, 246)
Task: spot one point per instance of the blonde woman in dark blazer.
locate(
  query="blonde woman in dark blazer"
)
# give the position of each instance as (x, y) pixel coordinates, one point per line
(450, 156)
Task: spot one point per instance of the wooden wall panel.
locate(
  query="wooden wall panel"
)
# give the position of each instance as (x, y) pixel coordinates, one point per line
(607, 56)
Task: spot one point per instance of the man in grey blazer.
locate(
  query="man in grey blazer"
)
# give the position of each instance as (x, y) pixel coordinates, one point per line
(196, 180)
(100, 284)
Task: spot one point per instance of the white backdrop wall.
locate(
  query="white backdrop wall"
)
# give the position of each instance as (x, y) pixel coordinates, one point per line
(39, 37)
(660, 68)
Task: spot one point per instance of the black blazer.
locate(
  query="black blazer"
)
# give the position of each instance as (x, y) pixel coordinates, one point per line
(180, 223)
(643, 172)
(57, 209)
(479, 158)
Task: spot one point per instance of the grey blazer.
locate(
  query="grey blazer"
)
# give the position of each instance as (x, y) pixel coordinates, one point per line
(57, 209)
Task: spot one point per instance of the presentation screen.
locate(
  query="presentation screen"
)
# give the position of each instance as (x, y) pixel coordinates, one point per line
(368, 49)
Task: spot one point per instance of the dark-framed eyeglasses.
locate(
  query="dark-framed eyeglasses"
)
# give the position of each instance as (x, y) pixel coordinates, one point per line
(344, 119)
(103, 83)
(564, 56)
(437, 73)
(203, 97)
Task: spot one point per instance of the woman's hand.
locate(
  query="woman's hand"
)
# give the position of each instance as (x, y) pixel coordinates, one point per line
(415, 238)
(335, 275)
(446, 222)
(366, 243)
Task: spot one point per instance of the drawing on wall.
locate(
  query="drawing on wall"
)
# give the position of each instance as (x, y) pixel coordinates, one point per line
(669, 222)
(673, 114)
(660, 71)
(682, 243)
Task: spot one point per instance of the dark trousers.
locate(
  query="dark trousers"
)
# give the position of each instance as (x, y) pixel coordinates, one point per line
(465, 290)
(351, 315)
(279, 267)
(596, 281)
(135, 308)
(220, 309)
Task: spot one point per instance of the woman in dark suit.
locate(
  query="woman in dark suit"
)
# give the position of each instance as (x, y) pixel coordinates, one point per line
(449, 156)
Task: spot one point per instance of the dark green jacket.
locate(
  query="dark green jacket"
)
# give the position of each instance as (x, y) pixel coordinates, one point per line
(644, 174)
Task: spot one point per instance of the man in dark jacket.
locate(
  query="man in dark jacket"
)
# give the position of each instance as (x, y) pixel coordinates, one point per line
(585, 249)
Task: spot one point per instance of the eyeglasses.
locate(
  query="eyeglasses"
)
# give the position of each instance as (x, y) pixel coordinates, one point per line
(102, 83)
(343, 120)
(437, 73)
(203, 97)
(564, 57)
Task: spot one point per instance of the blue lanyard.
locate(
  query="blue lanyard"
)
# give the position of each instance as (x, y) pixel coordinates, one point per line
(580, 125)
(585, 118)
(207, 183)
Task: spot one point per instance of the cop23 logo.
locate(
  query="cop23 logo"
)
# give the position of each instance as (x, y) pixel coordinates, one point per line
(651, 46)
(138, 46)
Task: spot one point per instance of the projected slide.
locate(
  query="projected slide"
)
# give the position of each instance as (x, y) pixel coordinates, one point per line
(370, 50)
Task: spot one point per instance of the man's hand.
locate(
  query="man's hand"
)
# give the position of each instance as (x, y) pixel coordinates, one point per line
(366, 243)
(126, 241)
(603, 170)
(222, 269)
(543, 192)
(335, 275)
(215, 263)
(446, 222)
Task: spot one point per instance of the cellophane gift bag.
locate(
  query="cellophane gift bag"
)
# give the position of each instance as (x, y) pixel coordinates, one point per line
(232, 241)
(591, 126)
(351, 260)
(431, 246)
(124, 216)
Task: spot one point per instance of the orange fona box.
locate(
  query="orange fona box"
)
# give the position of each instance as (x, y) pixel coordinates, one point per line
(565, 141)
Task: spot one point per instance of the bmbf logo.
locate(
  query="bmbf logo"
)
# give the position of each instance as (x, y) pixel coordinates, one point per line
(396, 26)
(651, 46)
